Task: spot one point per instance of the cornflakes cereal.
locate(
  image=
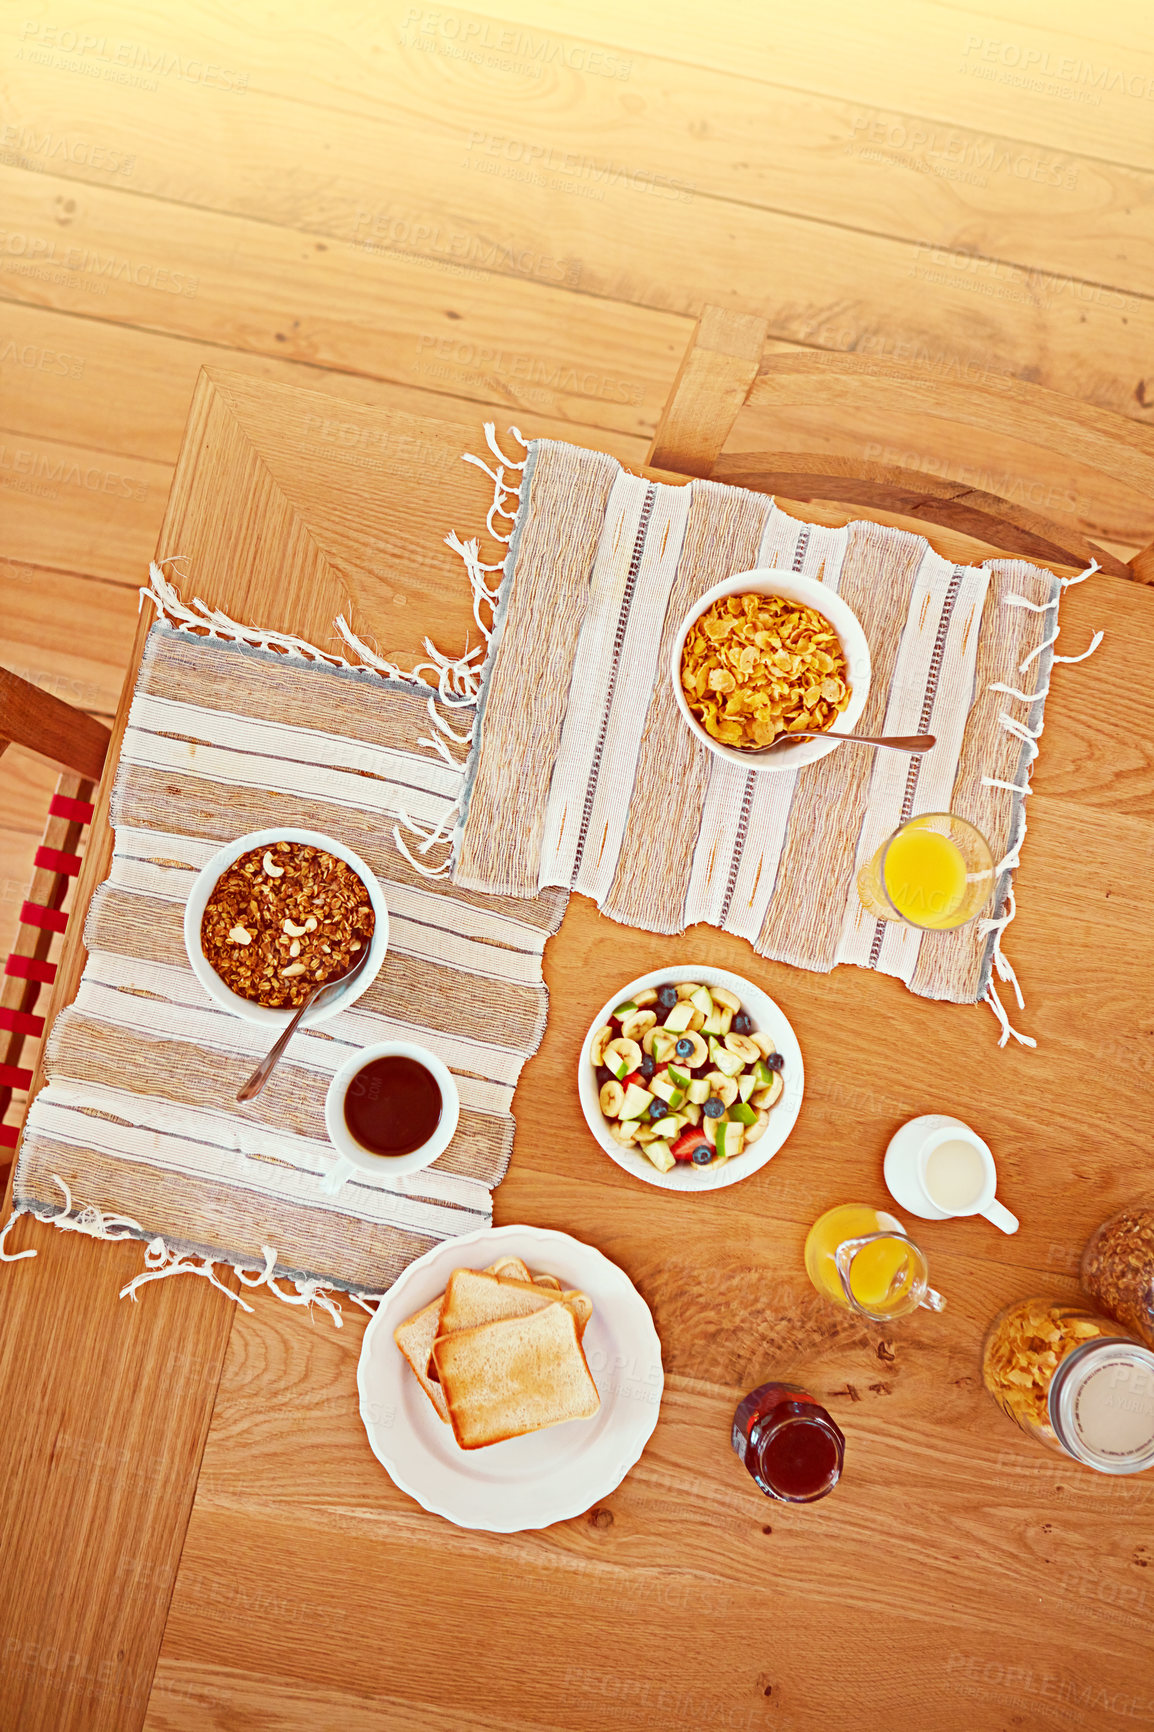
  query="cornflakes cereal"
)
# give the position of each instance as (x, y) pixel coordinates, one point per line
(1023, 1350)
(756, 666)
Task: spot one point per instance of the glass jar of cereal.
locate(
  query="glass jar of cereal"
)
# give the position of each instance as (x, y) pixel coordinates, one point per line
(1118, 1269)
(1075, 1381)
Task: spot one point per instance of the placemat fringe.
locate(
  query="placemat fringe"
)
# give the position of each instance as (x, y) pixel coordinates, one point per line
(1020, 730)
(161, 1260)
(431, 838)
(454, 677)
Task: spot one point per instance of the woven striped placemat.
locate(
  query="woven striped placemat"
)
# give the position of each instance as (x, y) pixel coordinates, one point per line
(139, 1119)
(582, 774)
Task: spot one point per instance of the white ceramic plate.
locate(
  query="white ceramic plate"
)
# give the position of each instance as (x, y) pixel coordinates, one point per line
(766, 580)
(205, 883)
(768, 1017)
(527, 1482)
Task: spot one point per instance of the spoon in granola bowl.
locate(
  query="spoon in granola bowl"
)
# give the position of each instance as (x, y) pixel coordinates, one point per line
(273, 1057)
(896, 742)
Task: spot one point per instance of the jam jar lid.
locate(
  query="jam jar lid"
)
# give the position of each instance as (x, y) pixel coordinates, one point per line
(1101, 1405)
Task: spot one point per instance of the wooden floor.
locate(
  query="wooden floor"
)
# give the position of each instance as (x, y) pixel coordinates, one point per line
(519, 216)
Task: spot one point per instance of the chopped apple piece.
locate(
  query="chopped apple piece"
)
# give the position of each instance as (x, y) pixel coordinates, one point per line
(768, 1096)
(660, 1153)
(730, 1137)
(636, 1102)
(680, 1017)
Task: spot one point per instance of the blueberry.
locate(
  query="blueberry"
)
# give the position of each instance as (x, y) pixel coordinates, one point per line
(702, 1155)
(742, 1023)
(684, 1047)
(658, 1109)
(775, 1061)
(667, 997)
(604, 1075)
(648, 1065)
(713, 1108)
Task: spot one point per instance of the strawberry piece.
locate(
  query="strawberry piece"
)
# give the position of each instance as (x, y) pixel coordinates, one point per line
(691, 1138)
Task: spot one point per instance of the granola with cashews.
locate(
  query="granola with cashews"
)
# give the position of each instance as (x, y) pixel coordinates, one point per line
(284, 920)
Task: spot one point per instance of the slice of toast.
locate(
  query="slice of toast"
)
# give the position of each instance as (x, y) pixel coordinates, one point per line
(547, 1281)
(416, 1335)
(509, 1269)
(415, 1339)
(474, 1296)
(514, 1375)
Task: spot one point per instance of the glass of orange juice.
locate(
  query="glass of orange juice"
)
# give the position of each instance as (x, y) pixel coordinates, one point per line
(862, 1258)
(935, 872)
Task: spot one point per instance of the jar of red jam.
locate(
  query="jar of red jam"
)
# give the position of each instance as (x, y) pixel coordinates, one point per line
(789, 1444)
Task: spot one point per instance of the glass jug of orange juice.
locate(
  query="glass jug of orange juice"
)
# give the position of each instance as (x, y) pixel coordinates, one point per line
(862, 1258)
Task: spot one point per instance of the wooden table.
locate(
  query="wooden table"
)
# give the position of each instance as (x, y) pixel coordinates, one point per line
(195, 1533)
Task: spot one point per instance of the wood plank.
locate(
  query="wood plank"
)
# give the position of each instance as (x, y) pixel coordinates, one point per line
(1066, 90)
(1083, 345)
(147, 418)
(68, 506)
(275, 291)
(94, 1479)
(84, 665)
(310, 145)
(164, 371)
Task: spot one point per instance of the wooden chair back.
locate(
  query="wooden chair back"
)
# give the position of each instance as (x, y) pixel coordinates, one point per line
(68, 737)
(724, 368)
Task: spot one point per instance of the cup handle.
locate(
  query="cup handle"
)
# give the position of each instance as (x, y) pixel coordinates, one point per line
(1001, 1216)
(337, 1176)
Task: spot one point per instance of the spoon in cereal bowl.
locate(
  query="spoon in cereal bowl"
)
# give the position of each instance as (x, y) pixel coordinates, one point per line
(895, 742)
(272, 1058)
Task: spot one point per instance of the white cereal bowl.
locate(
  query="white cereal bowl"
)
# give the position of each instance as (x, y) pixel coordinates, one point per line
(767, 580)
(767, 1017)
(205, 883)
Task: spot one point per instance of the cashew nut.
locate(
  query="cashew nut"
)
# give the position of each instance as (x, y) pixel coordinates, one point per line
(273, 871)
(239, 935)
(295, 947)
(293, 930)
(293, 968)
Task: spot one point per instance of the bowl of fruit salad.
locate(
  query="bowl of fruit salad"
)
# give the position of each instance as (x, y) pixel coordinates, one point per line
(691, 1078)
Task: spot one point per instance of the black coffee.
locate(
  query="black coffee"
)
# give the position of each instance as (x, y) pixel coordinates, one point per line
(393, 1106)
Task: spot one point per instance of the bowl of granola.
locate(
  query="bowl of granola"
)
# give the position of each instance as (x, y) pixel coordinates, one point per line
(765, 653)
(277, 913)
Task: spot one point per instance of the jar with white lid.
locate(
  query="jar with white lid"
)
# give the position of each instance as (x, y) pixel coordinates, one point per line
(1075, 1381)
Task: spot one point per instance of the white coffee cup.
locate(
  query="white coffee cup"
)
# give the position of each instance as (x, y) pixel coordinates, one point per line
(353, 1156)
(937, 1189)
